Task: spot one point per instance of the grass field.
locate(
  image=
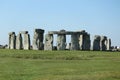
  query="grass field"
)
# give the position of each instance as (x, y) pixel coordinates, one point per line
(59, 65)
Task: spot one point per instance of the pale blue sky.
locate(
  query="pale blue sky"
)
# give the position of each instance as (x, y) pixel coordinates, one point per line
(97, 17)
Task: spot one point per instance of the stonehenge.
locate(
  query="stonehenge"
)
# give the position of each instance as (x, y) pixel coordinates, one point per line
(108, 44)
(16, 42)
(101, 43)
(26, 41)
(84, 41)
(12, 40)
(74, 41)
(96, 43)
(80, 40)
(38, 39)
(19, 44)
(48, 42)
(61, 41)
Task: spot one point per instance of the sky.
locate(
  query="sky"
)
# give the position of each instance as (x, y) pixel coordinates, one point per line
(97, 17)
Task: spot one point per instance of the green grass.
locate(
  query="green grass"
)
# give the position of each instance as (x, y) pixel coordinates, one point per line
(59, 65)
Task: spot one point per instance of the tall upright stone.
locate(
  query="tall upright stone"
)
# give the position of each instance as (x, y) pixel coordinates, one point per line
(87, 42)
(96, 43)
(12, 40)
(81, 41)
(61, 40)
(103, 43)
(108, 44)
(84, 41)
(74, 42)
(38, 39)
(48, 42)
(19, 42)
(26, 41)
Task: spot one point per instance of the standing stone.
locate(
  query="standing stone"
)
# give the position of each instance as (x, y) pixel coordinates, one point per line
(26, 41)
(19, 42)
(87, 42)
(108, 44)
(48, 42)
(12, 40)
(96, 43)
(103, 42)
(61, 42)
(38, 39)
(81, 42)
(74, 41)
(84, 41)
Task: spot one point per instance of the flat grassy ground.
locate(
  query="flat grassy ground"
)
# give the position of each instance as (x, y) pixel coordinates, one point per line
(59, 65)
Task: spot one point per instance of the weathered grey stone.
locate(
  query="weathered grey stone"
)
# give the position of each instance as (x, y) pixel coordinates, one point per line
(67, 32)
(96, 43)
(103, 43)
(12, 40)
(26, 44)
(19, 44)
(74, 42)
(38, 39)
(81, 42)
(84, 42)
(48, 42)
(87, 42)
(108, 44)
(60, 32)
(23, 32)
(61, 42)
